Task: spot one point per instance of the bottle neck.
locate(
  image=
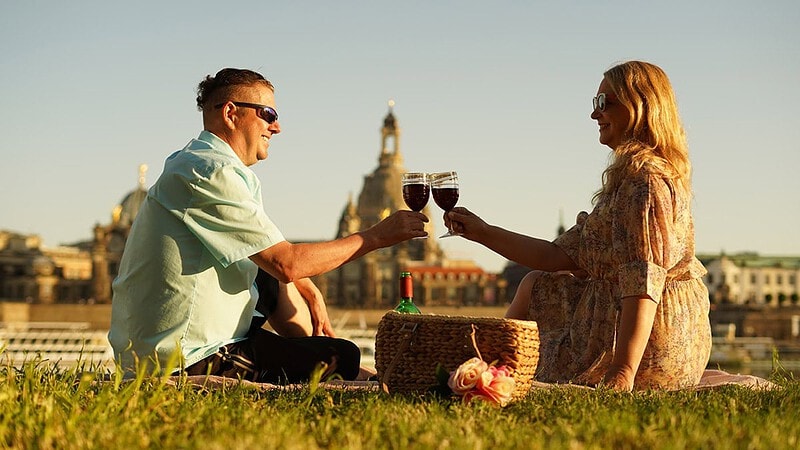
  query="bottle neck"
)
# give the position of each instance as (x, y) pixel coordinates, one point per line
(406, 288)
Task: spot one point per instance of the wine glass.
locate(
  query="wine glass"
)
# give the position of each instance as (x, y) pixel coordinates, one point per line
(444, 186)
(416, 190)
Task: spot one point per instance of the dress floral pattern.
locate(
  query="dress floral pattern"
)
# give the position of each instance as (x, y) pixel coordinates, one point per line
(639, 241)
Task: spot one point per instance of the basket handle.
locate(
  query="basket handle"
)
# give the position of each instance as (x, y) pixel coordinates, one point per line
(474, 341)
(396, 359)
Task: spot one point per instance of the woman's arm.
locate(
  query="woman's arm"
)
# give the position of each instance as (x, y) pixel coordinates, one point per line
(529, 251)
(290, 262)
(636, 323)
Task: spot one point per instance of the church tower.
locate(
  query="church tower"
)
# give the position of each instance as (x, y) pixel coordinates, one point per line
(109, 240)
(372, 280)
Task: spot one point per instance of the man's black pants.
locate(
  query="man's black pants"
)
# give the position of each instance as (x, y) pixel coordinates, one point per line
(268, 357)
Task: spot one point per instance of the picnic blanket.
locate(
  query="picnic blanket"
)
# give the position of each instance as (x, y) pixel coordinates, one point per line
(711, 379)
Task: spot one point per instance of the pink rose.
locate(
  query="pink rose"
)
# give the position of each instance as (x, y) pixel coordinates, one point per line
(497, 384)
(477, 396)
(464, 378)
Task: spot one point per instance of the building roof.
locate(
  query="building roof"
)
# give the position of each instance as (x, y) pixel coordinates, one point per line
(754, 260)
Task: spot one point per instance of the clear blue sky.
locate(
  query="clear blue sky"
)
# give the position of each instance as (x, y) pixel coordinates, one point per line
(499, 91)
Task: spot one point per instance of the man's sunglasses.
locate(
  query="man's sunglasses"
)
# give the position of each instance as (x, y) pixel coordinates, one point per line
(600, 103)
(267, 113)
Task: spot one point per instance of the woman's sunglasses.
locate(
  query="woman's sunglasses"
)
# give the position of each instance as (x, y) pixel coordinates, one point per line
(267, 113)
(599, 102)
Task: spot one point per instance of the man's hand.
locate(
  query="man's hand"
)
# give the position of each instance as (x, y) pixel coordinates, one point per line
(320, 322)
(398, 227)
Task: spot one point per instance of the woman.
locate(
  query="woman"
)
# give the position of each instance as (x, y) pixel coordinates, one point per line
(618, 298)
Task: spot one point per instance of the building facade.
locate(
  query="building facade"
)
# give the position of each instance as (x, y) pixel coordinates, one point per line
(372, 280)
(33, 273)
(751, 279)
(77, 273)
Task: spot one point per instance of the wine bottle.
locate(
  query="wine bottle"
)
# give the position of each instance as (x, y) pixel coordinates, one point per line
(406, 305)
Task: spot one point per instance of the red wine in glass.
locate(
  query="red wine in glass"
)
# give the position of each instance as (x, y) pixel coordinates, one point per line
(416, 195)
(446, 197)
(416, 191)
(444, 186)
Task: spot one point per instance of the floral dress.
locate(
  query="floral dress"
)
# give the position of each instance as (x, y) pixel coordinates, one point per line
(640, 241)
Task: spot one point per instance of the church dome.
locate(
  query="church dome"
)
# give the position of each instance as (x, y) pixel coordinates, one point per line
(129, 207)
(127, 210)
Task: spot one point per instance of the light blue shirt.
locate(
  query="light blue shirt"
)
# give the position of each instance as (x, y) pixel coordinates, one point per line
(185, 282)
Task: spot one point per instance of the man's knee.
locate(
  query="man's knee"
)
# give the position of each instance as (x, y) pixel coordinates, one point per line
(349, 359)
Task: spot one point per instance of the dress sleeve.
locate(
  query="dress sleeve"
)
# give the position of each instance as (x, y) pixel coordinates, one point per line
(570, 240)
(227, 216)
(644, 235)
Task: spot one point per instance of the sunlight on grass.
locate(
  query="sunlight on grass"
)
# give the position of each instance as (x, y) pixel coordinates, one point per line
(42, 406)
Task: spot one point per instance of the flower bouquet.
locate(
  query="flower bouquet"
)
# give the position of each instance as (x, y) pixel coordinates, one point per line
(479, 381)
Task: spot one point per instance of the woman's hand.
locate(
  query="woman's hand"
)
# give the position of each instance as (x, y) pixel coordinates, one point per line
(466, 223)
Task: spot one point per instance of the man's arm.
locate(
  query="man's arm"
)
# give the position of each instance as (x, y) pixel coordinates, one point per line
(320, 322)
(290, 262)
(300, 311)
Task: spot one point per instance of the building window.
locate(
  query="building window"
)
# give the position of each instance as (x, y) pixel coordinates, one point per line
(753, 279)
(779, 279)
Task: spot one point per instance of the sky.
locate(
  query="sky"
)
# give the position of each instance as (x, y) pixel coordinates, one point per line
(498, 91)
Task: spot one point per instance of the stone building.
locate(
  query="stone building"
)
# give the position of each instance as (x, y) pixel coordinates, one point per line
(109, 240)
(372, 280)
(31, 272)
(77, 273)
(751, 279)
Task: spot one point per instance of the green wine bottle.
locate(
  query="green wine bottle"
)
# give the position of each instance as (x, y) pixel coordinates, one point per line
(406, 305)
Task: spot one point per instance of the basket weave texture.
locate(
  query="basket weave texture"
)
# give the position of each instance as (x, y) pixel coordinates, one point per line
(408, 348)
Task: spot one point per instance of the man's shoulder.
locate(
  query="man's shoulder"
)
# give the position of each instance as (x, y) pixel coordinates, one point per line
(196, 160)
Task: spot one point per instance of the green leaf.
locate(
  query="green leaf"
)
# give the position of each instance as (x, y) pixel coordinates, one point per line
(442, 375)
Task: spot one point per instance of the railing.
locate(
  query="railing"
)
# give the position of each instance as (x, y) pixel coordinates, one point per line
(63, 343)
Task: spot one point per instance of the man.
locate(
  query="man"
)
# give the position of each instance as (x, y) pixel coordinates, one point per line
(185, 296)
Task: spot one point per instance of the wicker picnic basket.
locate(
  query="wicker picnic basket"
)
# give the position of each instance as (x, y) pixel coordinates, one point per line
(408, 348)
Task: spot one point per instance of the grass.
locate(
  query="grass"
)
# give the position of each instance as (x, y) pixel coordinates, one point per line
(44, 407)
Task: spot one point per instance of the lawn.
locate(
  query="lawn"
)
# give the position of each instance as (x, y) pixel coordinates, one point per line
(44, 407)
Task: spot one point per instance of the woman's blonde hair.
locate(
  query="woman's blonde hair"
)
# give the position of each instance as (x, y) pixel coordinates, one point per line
(655, 139)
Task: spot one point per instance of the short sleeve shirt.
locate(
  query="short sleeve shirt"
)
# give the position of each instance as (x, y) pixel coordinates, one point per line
(185, 283)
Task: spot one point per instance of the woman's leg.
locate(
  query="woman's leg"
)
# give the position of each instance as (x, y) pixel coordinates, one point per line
(522, 298)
